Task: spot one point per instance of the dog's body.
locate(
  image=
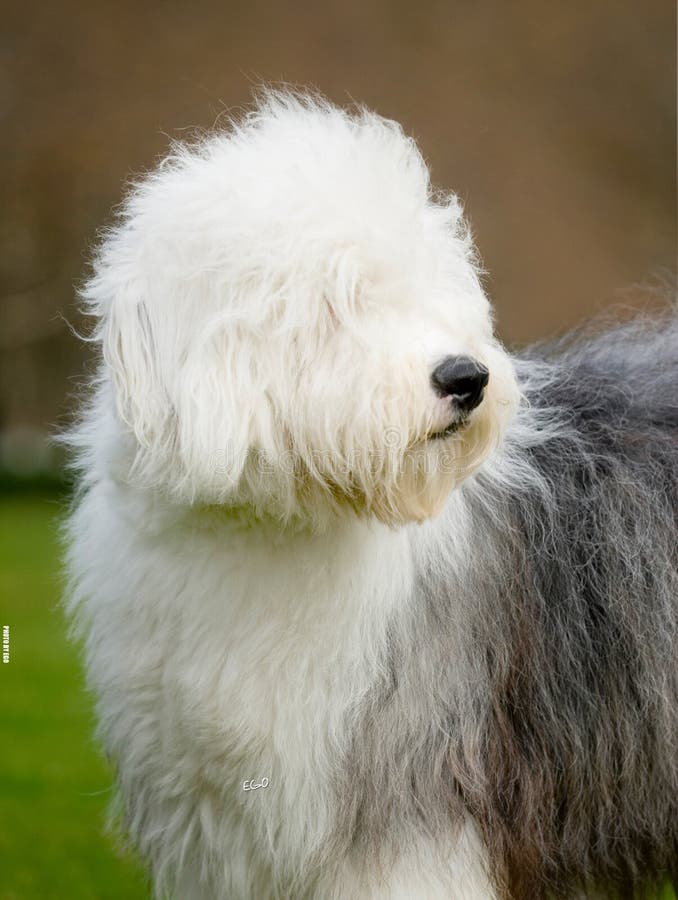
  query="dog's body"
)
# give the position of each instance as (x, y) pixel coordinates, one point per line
(306, 692)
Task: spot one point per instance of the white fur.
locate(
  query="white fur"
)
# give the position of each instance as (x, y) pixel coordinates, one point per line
(270, 309)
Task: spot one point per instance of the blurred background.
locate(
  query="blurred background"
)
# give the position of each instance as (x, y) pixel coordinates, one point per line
(555, 123)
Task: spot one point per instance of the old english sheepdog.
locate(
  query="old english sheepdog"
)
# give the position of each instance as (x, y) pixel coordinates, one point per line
(372, 609)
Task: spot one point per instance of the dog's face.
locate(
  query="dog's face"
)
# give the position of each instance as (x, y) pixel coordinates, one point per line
(294, 324)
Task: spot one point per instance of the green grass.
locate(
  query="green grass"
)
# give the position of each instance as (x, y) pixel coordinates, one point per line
(54, 785)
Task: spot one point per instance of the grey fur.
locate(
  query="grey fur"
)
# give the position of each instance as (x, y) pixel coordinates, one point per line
(536, 685)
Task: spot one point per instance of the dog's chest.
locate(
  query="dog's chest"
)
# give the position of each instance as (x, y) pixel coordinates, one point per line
(280, 643)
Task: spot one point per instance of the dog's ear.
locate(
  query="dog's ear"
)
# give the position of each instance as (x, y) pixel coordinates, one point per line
(132, 354)
(180, 393)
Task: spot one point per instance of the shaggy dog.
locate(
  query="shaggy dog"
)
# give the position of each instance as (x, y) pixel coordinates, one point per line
(371, 608)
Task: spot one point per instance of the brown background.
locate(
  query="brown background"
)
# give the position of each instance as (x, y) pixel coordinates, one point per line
(555, 122)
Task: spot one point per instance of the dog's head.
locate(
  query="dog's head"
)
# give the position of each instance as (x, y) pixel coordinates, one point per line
(293, 322)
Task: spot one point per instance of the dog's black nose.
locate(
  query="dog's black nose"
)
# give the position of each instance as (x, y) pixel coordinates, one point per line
(461, 378)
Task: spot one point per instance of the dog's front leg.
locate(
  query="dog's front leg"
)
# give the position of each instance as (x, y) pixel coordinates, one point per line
(427, 871)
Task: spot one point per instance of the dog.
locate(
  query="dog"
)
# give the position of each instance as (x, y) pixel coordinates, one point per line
(371, 608)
